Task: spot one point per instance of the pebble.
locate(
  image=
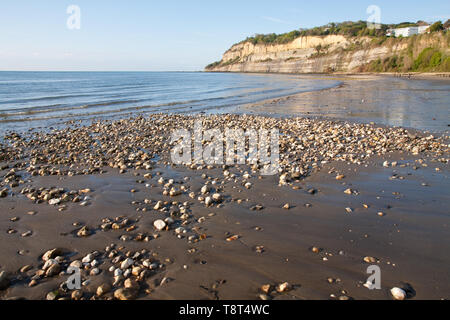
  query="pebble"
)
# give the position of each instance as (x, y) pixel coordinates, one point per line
(27, 234)
(264, 297)
(84, 232)
(54, 202)
(208, 201)
(4, 280)
(88, 258)
(266, 288)
(52, 295)
(282, 287)
(370, 260)
(53, 270)
(348, 191)
(94, 272)
(51, 254)
(125, 294)
(103, 289)
(398, 293)
(315, 250)
(126, 264)
(159, 225)
(26, 268)
(77, 295)
(118, 272)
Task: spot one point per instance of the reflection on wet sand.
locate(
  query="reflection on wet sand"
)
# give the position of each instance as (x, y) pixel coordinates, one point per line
(420, 104)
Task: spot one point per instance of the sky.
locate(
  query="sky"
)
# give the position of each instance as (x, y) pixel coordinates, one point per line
(184, 35)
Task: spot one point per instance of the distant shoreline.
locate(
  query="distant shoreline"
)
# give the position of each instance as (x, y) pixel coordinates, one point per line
(416, 75)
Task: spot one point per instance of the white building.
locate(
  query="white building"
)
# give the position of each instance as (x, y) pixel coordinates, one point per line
(406, 32)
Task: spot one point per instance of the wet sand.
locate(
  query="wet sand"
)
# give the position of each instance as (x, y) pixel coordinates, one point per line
(419, 101)
(410, 241)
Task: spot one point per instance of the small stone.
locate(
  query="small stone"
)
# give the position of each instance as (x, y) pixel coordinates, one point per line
(27, 234)
(257, 207)
(315, 250)
(266, 288)
(158, 205)
(370, 260)
(53, 295)
(233, 238)
(159, 225)
(125, 294)
(283, 287)
(264, 297)
(398, 293)
(118, 272)
(32, 283)
(348, 191)
(94, 272)
(77, 295)
(136, 271)
(84, 232)
(287, 206)
(4, 280)
(26, 268)
(53, 270)
(126, 263)
(54, 202)
(88, 258)
(51, 254)
(103, 289)
(131, 284)
(208, 201)
(204, 190)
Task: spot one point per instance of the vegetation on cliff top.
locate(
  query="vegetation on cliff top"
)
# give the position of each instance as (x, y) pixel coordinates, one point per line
(348, 28)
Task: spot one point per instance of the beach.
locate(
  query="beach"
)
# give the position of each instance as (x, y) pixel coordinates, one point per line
(415, 101)
(106, 198)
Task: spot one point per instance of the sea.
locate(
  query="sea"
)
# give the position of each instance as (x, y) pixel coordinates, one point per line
(43, 100)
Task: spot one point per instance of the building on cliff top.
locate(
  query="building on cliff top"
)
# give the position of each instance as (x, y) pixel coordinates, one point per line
(407, 32)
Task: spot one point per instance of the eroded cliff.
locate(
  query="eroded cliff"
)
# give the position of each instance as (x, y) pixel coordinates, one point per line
(338, 53)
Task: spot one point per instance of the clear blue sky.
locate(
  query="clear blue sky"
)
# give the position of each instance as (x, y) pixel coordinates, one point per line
(168, 35)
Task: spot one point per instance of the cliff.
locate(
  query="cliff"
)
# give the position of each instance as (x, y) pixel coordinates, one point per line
(340, 53)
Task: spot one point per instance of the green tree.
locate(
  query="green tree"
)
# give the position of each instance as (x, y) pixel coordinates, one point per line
(437, 26)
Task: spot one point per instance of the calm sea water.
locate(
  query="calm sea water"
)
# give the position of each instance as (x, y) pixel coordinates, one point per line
(49, 99)
(41, 99)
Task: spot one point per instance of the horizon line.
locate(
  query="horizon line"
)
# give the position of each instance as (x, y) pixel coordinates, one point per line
(102, 71)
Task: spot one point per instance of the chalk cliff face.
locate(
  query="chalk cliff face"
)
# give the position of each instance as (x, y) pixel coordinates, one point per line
(317, 54)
